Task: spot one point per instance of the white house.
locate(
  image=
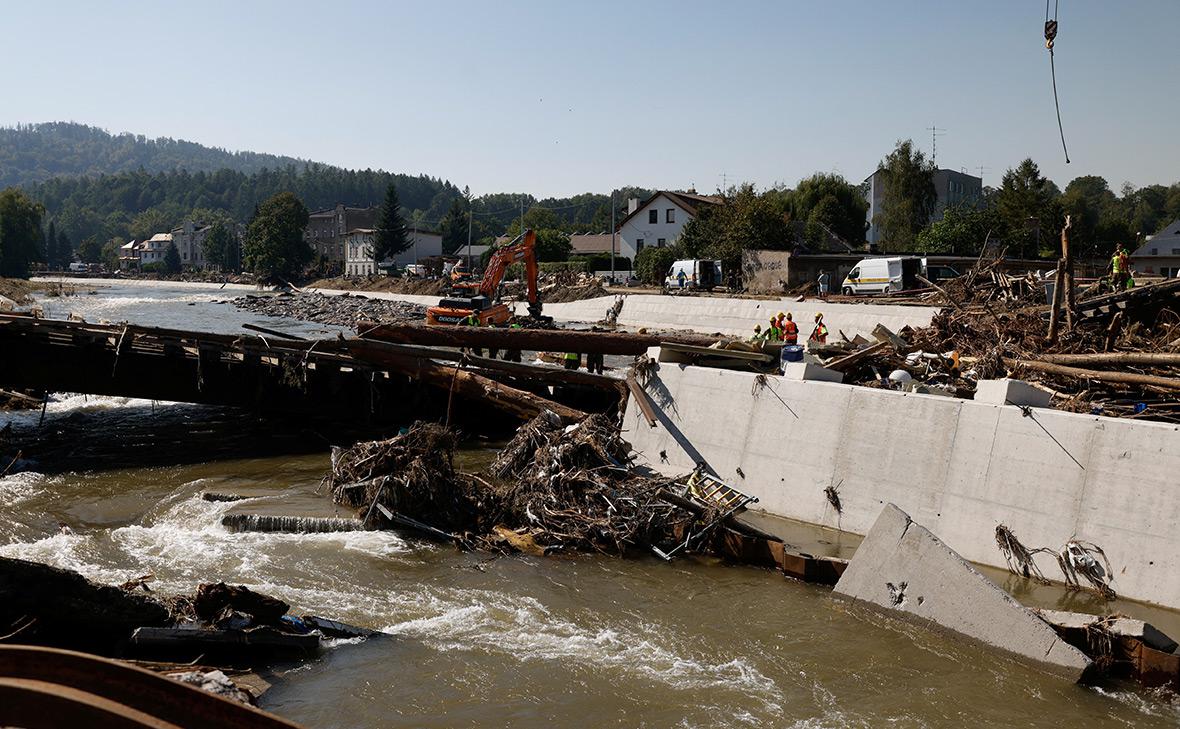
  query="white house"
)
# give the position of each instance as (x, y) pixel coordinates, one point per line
(153, 249)
(1160, 254)
(358, 250)
(658, 220)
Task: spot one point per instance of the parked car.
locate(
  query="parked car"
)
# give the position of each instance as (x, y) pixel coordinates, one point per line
(879, 275)
(941, 273)
(79, 267)
(698, 273)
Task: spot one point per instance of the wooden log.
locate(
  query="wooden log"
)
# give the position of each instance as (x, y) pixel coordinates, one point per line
(1058, 295)
(364, 349)
(843, 364)
(950, 299)
(524, 405)
(541, 340)
(641, 400)
(1125, 378)
(1149, 359)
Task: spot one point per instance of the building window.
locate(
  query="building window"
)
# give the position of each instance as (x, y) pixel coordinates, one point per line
(670, 215)
(660, 242)
(653, 216)
(1155, 251)
(638, 244)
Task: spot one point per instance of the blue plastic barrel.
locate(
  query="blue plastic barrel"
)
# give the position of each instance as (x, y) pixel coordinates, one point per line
(792, 353)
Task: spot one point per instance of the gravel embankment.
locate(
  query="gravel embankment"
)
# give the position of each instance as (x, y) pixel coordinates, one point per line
(344, 310)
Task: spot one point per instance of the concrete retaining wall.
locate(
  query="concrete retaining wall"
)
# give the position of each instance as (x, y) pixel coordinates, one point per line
(708, 314)
(957, 466)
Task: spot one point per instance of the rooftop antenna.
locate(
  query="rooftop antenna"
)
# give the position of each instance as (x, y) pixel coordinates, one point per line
(981, 170)
(935, 133)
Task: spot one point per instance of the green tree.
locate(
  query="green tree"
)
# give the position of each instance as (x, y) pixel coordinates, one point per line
(391, 238)
(65, 249)
(90, 250)
(171, 260)
(1029, 207)
(553, 245)
(961, 231)
(110, 253)
(830, 200)
(909, 197)
(221, 247)
(20, 232)
(1089, 201)
(149, 222)
(652, 264)
(454, 227)
(51, 255)
(743, 221)
(274, 247)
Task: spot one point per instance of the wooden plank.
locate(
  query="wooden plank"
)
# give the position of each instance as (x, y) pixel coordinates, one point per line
(642, 400)
(844, 363)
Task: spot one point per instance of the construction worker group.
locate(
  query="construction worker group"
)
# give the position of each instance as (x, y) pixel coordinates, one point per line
(784, 329)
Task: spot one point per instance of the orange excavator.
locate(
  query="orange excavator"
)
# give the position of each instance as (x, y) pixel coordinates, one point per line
(481, 298)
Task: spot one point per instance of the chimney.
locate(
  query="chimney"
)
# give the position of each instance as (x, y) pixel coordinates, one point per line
(632, 205)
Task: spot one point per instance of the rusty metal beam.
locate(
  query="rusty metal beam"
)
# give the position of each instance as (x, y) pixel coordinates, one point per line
(48, 687)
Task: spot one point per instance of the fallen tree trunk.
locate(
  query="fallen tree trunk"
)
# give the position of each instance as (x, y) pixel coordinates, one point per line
(1126, 378)
(374, 350)
(1150, 359)
(538, 340)
(524, 405)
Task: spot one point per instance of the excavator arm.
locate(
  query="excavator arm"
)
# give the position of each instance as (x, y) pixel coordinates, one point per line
(522, 249)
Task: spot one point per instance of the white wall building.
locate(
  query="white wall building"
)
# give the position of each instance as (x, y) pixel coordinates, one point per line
(358, 250)
(153, 249)
(953, 188)
(1160, 254)
(189, 238)
(659, 220)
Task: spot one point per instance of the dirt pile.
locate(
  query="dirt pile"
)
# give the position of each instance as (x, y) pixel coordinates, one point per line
(387, 284)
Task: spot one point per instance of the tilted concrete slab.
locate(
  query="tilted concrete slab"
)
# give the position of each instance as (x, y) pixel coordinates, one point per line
(1006, 391)
(904, 568)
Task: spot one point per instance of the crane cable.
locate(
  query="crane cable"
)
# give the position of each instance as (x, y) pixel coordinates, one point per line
(1050, 36)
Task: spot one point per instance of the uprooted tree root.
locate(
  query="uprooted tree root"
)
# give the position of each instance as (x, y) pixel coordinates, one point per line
(553, 487)
(1077, 560)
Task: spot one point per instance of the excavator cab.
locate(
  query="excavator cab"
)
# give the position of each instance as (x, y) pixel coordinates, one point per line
(482, 298)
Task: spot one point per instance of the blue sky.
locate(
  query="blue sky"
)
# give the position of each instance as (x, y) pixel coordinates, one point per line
(556, 98)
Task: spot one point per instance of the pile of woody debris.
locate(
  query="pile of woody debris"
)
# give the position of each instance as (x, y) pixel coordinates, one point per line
(1115, 354)
(554, 487)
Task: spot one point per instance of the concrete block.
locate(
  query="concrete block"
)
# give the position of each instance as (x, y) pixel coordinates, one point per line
(1006, 391)
(1140, 630)
(806, 371)
(903, 568)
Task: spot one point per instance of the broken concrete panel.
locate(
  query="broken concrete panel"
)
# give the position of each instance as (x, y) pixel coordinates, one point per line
(805, 371)
(1007, 391)
(1122, 627)
(902, 567)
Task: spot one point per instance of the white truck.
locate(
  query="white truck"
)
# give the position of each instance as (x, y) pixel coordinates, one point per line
(880, 275)
(694, 273)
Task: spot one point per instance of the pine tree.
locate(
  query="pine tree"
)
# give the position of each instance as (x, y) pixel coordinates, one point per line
(65, 249)
(171, 259)
(52, 256)
(454, 227)
(391, 237)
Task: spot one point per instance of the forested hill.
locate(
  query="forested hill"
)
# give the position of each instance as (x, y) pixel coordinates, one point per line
(37, 152)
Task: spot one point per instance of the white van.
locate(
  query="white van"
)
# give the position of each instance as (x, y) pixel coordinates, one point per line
(879, 275)
(698, 273)
(79, 267)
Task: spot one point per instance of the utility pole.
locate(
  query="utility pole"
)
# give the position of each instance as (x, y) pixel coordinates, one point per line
(522, 214)
(612, 237)
(470, 212)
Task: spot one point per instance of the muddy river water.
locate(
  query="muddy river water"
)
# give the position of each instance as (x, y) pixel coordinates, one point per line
(514, 641)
